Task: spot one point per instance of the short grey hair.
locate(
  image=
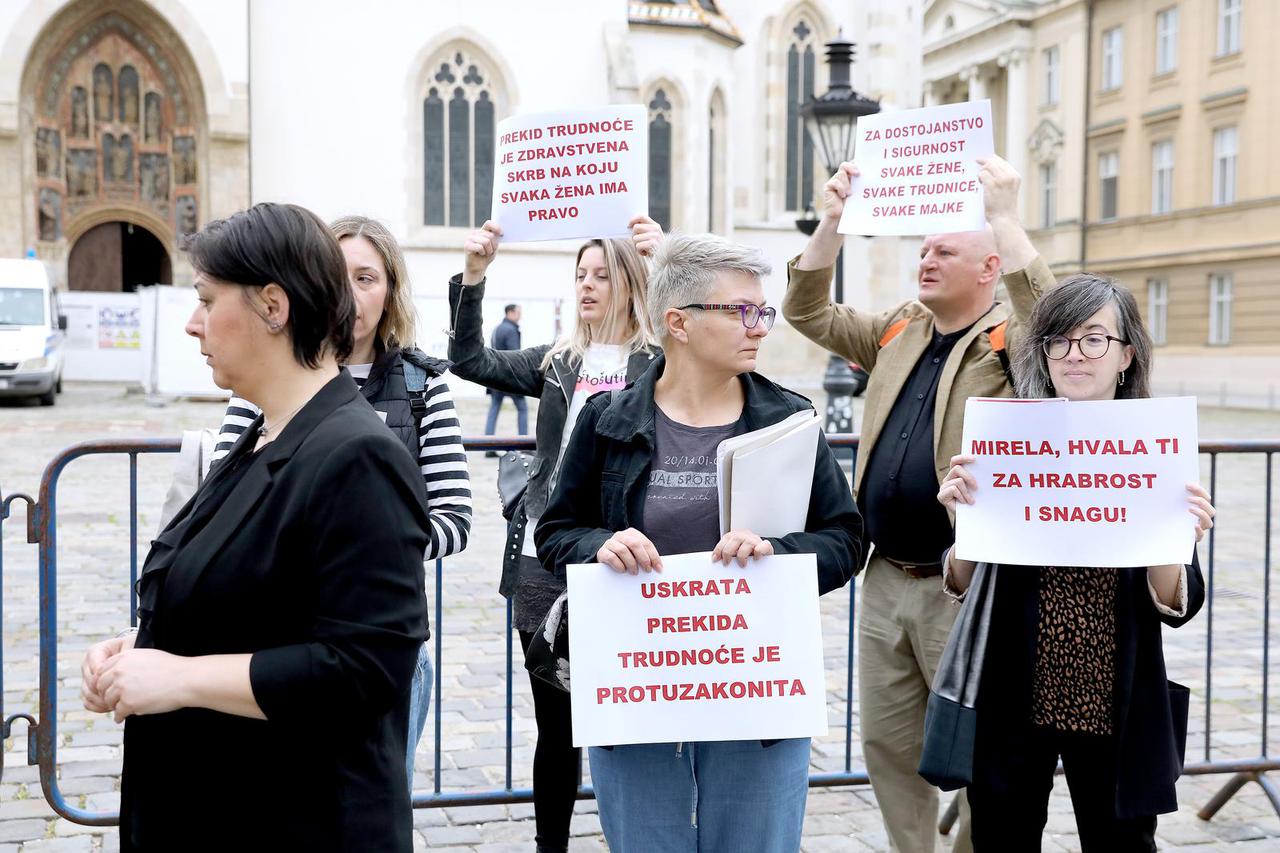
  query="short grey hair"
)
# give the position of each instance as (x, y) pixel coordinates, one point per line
(685, 269)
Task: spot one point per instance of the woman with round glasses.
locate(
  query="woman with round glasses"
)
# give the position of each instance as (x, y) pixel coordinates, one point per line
(638, 481)
(1074, 667)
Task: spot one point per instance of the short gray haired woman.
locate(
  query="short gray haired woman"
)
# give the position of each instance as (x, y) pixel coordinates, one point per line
(637, 481)
(1074, 667)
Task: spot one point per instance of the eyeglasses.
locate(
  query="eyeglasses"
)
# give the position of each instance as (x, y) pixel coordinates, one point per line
(1058, 347)
(751, 314)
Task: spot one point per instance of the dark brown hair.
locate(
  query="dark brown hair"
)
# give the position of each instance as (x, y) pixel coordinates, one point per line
(289, 246)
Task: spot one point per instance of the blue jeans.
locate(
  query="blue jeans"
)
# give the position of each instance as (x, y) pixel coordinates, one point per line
(712, 797)
(424, 678)
(495, 406)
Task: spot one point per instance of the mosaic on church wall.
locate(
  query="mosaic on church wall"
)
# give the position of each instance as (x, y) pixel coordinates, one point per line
(113, 130)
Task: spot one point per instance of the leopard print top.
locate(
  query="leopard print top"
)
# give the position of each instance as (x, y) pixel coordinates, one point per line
(1075, 671)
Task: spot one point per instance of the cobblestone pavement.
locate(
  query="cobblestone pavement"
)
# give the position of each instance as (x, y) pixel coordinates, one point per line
(93, 554)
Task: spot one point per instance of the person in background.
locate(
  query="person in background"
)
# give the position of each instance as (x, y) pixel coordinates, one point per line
(638, 481)
(1074, 665)
(610, 345)
(278, 617)
(408, 389)
(926, 356)
(506, 336)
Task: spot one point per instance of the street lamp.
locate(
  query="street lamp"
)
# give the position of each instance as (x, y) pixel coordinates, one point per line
(831, 120)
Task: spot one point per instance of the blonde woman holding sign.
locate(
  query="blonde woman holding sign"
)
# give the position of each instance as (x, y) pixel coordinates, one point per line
(610, 345)
(1075, 653)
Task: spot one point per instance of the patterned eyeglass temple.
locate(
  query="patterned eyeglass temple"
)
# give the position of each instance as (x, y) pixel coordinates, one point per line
(750, 312)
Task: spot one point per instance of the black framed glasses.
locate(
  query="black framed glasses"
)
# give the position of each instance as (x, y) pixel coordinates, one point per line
(1057, 347)
(751, 314)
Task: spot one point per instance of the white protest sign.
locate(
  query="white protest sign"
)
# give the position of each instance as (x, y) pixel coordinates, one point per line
(1079, 484)
(578, 173)
(918, 171)
(698, 651)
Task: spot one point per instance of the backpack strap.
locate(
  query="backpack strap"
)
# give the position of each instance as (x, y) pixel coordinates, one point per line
(996, 334)
(415, 382)
(892, 332)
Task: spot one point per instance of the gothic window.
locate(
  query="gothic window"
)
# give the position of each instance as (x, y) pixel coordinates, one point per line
(801, 65)
(459, 117)
(716, 139)
(660, 122)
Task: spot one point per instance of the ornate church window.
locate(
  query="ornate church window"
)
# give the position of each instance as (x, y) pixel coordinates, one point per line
(459, 117)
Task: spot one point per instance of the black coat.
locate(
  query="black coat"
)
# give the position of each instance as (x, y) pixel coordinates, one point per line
(603, 481)
(327, 596)
(1150, 720)
(520, 372)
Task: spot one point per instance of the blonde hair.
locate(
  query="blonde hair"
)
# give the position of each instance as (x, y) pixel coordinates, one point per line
(396, 328)
(629, 281)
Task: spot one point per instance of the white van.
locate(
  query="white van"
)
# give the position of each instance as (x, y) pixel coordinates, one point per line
(31, 332)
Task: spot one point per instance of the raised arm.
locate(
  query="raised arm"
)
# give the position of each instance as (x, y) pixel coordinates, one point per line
(808, 305)
(508, 371)
(1025, 274)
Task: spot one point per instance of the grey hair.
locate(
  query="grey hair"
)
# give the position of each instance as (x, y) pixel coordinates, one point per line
(685, 268)
(1067, 306)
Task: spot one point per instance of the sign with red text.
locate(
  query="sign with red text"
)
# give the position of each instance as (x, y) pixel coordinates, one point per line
(573, 174)
(919, 171)
(1079, 484)
(698, 651)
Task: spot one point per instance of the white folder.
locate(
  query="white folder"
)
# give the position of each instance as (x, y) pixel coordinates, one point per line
(765, 476)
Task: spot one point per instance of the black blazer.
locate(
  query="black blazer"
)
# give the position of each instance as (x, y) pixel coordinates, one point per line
(1150, 711)
(312, 563)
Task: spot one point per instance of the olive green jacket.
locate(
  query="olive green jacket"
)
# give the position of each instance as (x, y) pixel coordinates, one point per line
(972, 369)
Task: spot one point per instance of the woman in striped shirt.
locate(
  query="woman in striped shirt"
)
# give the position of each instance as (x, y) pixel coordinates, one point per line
(408, 390)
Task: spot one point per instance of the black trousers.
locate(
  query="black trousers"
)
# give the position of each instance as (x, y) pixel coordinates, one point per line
(555, 762)
(1009, 813)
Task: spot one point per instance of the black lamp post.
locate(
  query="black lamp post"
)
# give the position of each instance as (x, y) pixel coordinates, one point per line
(831, 120)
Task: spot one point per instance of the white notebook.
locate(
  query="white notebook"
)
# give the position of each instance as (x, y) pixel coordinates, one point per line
(765, 476)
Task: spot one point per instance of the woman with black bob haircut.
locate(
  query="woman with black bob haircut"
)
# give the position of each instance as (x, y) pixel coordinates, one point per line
(1074, 665)
(278, 622)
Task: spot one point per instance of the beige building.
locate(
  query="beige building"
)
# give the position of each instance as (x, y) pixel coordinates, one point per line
(1146, 133)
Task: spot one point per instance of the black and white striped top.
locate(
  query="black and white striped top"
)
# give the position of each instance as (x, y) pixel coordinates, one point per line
(440, 457)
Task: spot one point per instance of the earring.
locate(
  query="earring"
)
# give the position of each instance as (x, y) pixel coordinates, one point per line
(1121, 382)
(275, 327)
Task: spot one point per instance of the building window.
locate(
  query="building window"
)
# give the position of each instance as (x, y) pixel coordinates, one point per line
(1167, 40)
(1229, 26)
(1052, 58)
(1112, 58)
(458, 121)
(801, 70)
(1220, 309)
(660, 123)
(1048, 194)
(1225, 142)
(1158, 310)
(716, 139)
(1108, 180)
(1162, 176)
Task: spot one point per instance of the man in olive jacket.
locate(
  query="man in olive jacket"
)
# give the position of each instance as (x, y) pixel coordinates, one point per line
(926, 356)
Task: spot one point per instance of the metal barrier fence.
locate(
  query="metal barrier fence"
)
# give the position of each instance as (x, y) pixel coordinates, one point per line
(42, 740)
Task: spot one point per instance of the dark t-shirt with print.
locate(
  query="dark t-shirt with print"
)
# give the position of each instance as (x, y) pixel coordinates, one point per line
(682, 507)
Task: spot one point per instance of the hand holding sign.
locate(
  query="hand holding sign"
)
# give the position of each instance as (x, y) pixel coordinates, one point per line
(837, 190)
(480, 249)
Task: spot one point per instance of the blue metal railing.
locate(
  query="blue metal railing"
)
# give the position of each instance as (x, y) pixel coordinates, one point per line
(42, 730)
